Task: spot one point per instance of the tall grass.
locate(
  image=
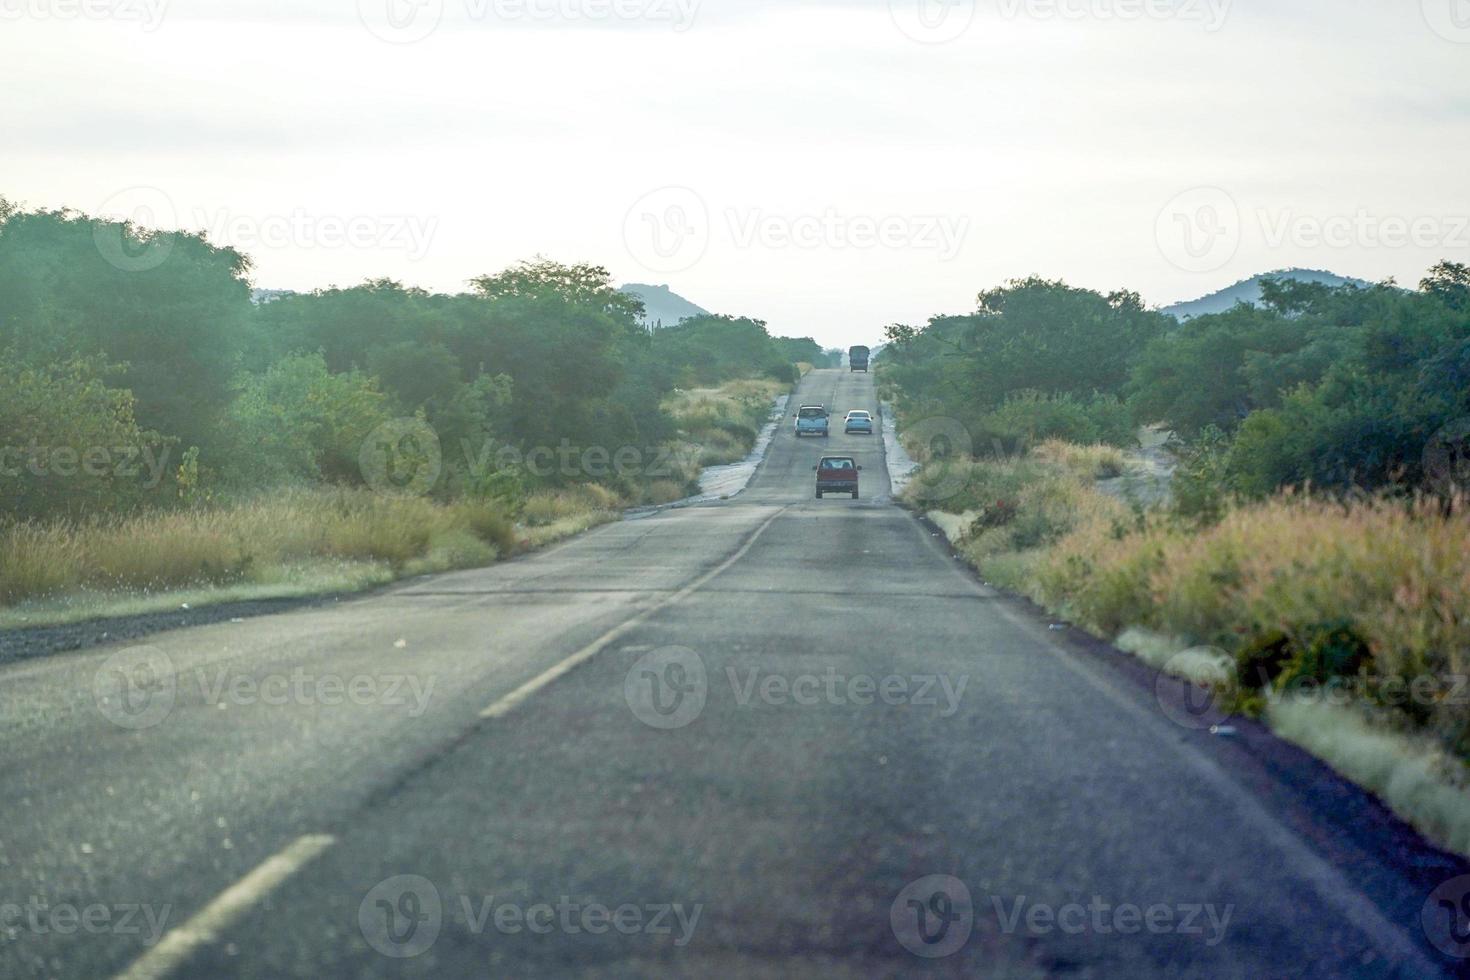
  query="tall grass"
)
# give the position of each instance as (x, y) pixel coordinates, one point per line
(246, 542)
(1398, 573)
(296, 537)
(1096, 462)
(1370, 590)
(1369, 594)
(1374, 587)
(1017, 503)
(724, 421)
(549, 506)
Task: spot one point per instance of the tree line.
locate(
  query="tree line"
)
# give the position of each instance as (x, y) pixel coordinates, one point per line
(118, 340)
(1341, 389)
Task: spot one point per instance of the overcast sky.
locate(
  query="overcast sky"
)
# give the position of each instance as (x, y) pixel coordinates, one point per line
(829, 167)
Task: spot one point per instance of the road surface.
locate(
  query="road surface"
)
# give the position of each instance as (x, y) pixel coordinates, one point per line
(766, 737)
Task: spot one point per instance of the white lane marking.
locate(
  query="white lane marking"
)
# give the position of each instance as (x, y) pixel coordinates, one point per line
(1331, 886)
(210, 922)
(515, 698)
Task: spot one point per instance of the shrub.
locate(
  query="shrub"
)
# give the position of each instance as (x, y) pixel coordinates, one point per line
(1102, 573)
(379, 528)
(1297, 587)
(1029, 418)
(489, 523)
(71, 445)
(1095, 462)
(297, 420)
(1201, 487)
(550, 506)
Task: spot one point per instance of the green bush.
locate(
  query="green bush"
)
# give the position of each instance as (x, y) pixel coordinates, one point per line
(1029, 418)
(1201, 488)
(299, 421)
(69, 444)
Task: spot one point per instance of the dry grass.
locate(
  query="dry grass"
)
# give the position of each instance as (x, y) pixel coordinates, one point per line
(724, 421)
(1096, 462)
(1399, 573)
(1013, 505)
(1423, 784)
(663, 492)
(550, 506)
(313, 541)
(1394, 575)
(733, 400)
(258, 542)
(564, 527)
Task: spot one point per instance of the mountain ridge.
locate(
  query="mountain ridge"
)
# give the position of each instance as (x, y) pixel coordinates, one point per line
(662, 307)
(1249, 291)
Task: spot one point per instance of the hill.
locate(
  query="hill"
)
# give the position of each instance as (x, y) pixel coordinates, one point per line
(1249, 291)
(662, 306)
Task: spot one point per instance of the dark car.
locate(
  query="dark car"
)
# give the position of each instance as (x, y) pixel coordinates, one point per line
(837, 474)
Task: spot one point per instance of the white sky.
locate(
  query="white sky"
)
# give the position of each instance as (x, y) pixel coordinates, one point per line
(1057, 135)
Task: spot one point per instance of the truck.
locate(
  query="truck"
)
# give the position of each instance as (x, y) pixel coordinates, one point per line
(812, 420)
(857, 358)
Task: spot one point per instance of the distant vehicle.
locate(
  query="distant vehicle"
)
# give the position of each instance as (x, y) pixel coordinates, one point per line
(857, 358)
(858, 421)
(811, 420)
(837, 474)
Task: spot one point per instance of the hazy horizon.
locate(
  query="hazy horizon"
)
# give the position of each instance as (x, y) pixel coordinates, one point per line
(827, 167)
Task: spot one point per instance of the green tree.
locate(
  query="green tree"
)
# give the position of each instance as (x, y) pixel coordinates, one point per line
(297, 421)
(176, 319)
(71, 445)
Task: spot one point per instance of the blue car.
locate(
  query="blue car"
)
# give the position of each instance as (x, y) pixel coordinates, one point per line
(858, 421)
(811, 420)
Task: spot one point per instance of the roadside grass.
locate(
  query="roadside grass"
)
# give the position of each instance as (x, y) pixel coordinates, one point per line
(1370, 594)
(549, 506)
(1421, 781)
(1096, 462)
(1272, 580)
(724, 421)
(303, 542)
(313, 543)
(298, 542)
(551, 515)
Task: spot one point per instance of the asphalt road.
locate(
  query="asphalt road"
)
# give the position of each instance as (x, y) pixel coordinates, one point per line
(771, 736)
